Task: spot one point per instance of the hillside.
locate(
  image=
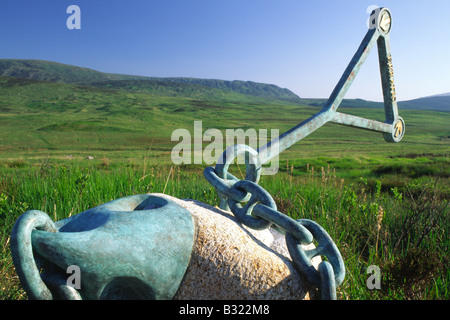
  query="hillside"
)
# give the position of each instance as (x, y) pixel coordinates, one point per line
(57, 72)
(54, 72)
(204, 89)
(256, 89)
(432, 103)
(40, 119)
(439, 102)
(346, 103)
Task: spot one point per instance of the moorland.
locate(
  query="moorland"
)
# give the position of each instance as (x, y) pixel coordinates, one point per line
(72, 138)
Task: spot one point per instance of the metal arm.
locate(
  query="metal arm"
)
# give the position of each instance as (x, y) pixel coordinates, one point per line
(260, 211)
(393, 128)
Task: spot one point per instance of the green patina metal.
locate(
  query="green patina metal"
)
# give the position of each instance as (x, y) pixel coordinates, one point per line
(133, 247)
(260, 211)
(393, 128)
(139, 247)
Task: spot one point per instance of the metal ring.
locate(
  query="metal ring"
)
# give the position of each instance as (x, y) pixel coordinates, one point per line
(327, 281)
(285, 223)
(253, 170)
(398, 131)
(384, 21)
(22, 252)
(244, 214)
(224, 186)
(251, 161)
(326, 247)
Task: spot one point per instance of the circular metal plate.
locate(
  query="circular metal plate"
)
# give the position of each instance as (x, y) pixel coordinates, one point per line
(384, 22)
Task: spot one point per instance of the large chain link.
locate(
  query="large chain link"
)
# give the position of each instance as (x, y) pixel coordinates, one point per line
(260, 212)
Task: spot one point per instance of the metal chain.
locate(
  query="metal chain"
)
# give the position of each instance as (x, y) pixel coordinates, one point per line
(260, 212)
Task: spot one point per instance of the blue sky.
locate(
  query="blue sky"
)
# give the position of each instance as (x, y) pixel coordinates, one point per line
(300, 45)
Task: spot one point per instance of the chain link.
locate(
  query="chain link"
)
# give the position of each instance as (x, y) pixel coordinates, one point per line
(260, 212)
(326, 247)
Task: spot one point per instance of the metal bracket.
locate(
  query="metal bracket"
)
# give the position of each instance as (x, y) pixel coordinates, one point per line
(393, 128)
(260, 211)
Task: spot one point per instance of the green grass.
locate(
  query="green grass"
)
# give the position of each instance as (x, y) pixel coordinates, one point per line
(53, 120)
(383, 204)
(368, 221)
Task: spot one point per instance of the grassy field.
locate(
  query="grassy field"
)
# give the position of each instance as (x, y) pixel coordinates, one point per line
(402, 229)
(383, 204)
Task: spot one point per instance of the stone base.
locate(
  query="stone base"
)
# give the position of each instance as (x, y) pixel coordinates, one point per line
(232, 262)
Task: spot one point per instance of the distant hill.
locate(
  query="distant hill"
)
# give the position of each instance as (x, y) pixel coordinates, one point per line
(346, 103)
(433, 103)
(440, 102)
(55, 72)
(245, 87)
(189, 87)
(58, 72)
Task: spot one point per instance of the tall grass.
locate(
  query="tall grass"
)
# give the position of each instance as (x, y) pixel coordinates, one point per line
(403, 230)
